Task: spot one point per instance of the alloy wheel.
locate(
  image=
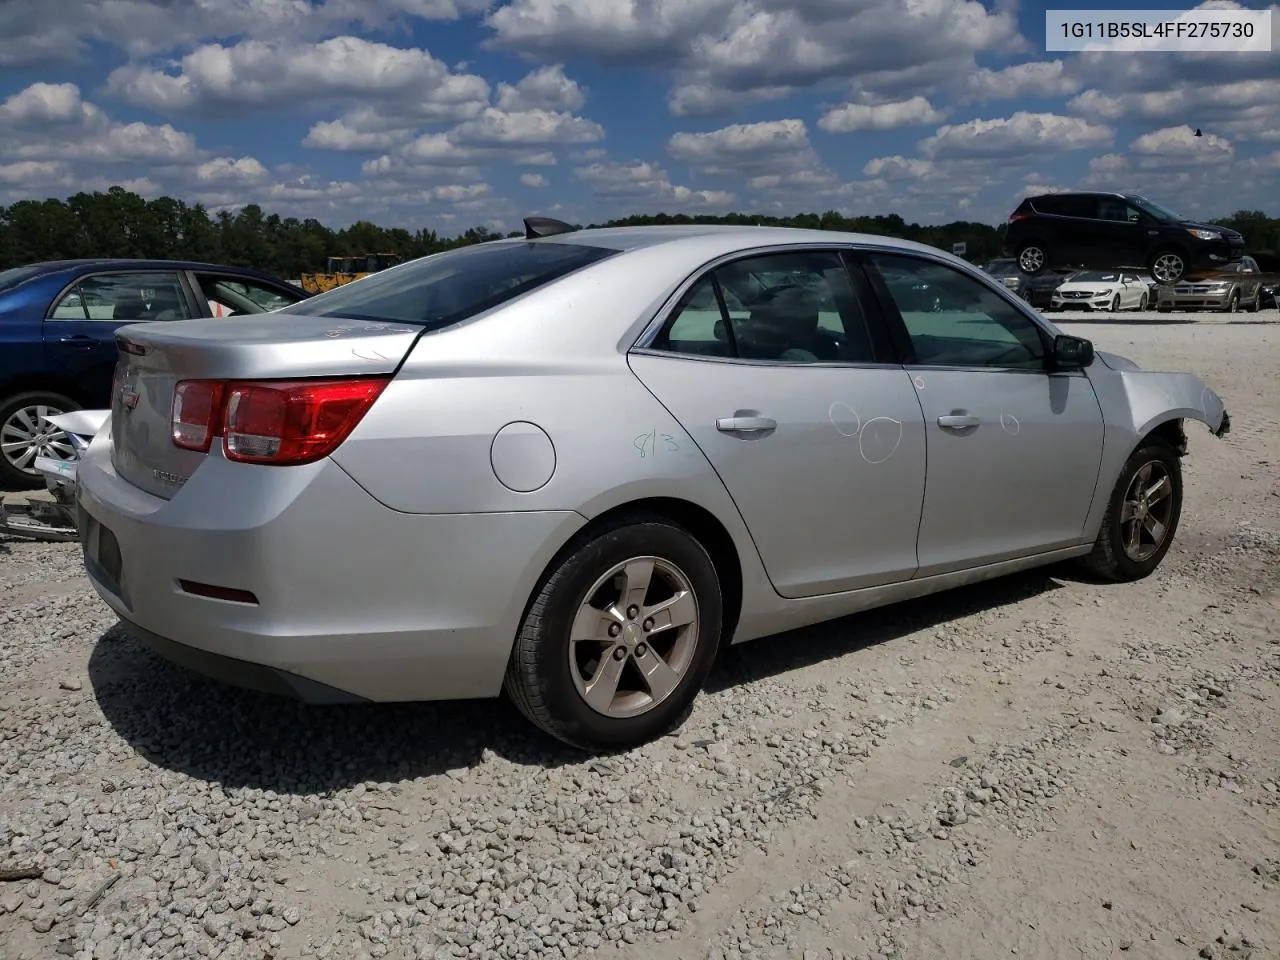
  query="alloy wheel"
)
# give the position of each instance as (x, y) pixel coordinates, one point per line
(1031, 259)
(634, 637)
(1146, 513)
(1168, 268)
(25, 435)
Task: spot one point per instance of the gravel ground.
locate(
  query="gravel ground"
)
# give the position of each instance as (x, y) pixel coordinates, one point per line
(1040, 766)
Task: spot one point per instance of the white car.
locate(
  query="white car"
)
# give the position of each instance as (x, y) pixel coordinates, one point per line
(1103, 290)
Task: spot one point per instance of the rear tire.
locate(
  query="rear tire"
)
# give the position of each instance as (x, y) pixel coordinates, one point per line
(656, 673)
(1032, 258)
(1256, 305)
(1167, 266)
(18, 415)
(1151, 501)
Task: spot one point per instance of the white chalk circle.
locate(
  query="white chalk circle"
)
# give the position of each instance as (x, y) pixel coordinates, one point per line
(919, 382)
(879, 439)
(845, 419)
(1010, 424)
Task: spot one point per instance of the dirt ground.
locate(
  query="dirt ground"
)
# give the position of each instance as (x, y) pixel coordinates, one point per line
(1041, 767)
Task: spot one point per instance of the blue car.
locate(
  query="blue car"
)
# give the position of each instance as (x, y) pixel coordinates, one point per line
(57, 345)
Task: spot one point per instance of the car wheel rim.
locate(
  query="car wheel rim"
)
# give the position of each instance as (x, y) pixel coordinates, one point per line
(1167, 268)
(634, 637)
(26, 435)
(1147, 511)
(1031, 259)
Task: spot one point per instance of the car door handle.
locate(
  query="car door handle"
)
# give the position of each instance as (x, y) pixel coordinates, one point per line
(746, 424)
(958, 421)
(79, 340)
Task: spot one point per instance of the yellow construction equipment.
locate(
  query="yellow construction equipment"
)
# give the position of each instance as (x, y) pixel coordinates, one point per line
(340, 270)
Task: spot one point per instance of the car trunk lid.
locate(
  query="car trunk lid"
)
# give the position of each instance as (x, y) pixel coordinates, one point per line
(155, 357)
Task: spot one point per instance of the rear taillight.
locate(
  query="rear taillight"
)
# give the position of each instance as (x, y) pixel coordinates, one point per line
(196, 406)
(282, 422)
(1016, 216)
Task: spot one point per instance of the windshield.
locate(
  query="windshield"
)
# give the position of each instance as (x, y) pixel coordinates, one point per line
(13, 277)
(1157, 211)
(1094, 276)
(444, 289)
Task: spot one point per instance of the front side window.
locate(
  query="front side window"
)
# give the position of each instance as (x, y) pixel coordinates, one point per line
(441, 290)
(236, 295)
(954, 320)
(786, 307)
(124, 298)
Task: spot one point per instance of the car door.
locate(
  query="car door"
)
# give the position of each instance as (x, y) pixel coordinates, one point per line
(79, 328)
(1013, 447)
(1115, 234)
(790, 387)
(224, 294)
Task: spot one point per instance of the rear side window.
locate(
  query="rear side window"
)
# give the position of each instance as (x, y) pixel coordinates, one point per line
(1067, 205)
(442, 290)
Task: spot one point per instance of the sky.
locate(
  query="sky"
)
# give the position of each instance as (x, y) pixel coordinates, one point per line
(448, 114)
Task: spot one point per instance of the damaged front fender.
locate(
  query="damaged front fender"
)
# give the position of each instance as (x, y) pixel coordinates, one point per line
(1153, 398)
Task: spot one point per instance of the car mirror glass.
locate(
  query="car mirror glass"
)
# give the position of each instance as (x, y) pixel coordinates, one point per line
(1071, 353)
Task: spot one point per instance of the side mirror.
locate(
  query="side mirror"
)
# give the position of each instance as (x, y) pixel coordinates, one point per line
(1071, 353)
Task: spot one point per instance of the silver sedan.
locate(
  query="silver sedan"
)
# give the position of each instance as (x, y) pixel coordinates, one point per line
(575, 465)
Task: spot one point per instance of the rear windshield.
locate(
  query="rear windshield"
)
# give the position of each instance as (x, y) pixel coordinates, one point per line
(437, 291)
(13, 277)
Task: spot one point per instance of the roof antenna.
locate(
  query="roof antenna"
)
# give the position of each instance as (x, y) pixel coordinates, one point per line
(535, 227)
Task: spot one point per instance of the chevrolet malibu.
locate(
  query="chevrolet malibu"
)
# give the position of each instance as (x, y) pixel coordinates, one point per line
(573, 466)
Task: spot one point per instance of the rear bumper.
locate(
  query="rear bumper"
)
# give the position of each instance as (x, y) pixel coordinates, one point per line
(342, 598)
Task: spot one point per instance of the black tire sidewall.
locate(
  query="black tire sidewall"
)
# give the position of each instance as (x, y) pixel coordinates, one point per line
(10, 477)
(1128, 569)
(577, 722)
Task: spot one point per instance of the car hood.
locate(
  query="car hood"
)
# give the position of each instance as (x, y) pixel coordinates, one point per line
(1153, 395)
(1087, 285)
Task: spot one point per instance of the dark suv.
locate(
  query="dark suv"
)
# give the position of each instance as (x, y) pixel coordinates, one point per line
(1113, 230)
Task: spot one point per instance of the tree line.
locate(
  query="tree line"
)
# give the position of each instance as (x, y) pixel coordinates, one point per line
(119, 223)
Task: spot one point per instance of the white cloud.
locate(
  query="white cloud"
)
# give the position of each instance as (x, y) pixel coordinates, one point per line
(495, 127)
(1242, 109)
(1179, 146)
(1020, 136)
(52, 122)
(1038, 78)
(230, 170)
(545, 89)
(728, 53)
(851, 117)
(40, 32)
(771, 146)
(533, 180)
(898, 167)
(260, 75)
(646, 184)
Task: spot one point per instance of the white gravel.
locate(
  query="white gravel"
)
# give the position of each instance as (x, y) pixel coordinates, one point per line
(1041, 767)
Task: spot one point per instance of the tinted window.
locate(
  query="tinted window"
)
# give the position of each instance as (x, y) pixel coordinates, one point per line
(1066, 205)
(449, 287)
(954, 320)
(790, 308)
(1113, 208)
(124, 298)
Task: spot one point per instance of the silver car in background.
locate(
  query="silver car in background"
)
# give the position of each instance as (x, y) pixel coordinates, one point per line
(1239, 285)
(574, 466)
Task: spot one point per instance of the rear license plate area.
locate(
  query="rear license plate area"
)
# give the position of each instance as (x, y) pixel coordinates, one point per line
(101, 551)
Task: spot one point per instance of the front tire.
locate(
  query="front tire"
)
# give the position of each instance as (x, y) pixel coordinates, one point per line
(1115, 304)
(619, 637)
(1142, 515)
